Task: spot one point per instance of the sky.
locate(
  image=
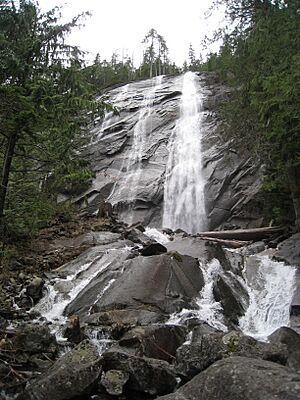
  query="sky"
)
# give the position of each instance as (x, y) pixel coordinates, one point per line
(120, 25)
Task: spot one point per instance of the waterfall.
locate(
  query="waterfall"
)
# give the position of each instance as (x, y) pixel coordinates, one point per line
(271, 294)
(208, 309)
(127, 188)
(109, 115)
(184, 185)
(63, 290)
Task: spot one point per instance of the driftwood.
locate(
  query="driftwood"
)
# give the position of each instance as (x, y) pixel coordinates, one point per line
(235, 244)
(244, 234)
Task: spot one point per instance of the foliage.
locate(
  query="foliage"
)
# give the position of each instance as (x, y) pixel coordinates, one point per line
(260, 59)
(156, 56)
(45, 105)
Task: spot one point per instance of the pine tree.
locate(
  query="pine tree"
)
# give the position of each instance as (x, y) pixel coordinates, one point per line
(44, 100)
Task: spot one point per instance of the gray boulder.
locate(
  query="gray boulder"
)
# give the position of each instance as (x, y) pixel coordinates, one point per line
(71, 376)
(35, 289)
(164, 283)
(195, 357)
(155, 341)
(232, 295)
(146, 375)
(35, 339)
(289, 250)
(114, 380)
(241, 378)
(291, 339)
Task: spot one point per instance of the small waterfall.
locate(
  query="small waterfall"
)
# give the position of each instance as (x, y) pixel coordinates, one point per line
(127, 187)
(271, 294)
(184, 186)
(62, 291)
(208, 309)
(109, 115)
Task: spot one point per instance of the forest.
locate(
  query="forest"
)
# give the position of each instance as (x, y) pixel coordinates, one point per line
(49, 98)
(150, 212)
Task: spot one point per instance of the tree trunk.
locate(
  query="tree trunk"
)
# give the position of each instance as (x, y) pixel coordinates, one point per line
(12, 141)
(294, 183)
(243, 234)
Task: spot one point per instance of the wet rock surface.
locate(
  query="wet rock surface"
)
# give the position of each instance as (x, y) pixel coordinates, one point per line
(150, 310)
(136, 193)
(232, 295)
(124, 303)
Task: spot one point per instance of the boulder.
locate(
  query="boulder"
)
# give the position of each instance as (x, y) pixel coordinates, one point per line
(289, 250)
(155, 341)
(153, 249)
(195, 357)
(35, 339)
(71, 376)
(202, 328)
(113, 381)
(35, 289)
(291, 339)
(232, 295)
(164, 283)
(241, 378)
(146, 375)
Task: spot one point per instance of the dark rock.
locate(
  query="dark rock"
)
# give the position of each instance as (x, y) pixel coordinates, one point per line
(232, 295)
(156, 341)
(136, 236)
(73, 331)
(33, 338)
(73, 375)
(153, 249)
(289, 250)
(209, 348)
(201, 329)
(114, 380)
(35, 289)
(291, 339)
(233, 184)
(164, 283)
(241, 378)
(147, 375)
(127, 318)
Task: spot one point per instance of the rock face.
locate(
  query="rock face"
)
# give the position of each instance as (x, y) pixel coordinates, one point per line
(71, 376)
(129, 154)
(289, 252)
(241, 378)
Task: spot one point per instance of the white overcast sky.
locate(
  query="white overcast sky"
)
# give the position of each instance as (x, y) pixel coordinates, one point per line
(120, 25)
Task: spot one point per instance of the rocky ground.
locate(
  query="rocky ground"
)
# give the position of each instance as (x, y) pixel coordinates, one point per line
(148, 356)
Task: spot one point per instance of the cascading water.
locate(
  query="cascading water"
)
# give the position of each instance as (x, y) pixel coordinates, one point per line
(109, 115)
(208, 309)
(128, 188)
(271, 294)
(62, 291)
(184, 186)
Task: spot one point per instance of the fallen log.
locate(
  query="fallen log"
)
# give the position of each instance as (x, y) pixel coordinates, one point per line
(253, 234)
(235, 244)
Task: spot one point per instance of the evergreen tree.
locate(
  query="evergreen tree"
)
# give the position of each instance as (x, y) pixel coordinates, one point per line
(44, 101)
(261, 59)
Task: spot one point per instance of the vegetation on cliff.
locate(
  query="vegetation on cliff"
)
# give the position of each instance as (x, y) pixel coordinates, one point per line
(260, 59)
